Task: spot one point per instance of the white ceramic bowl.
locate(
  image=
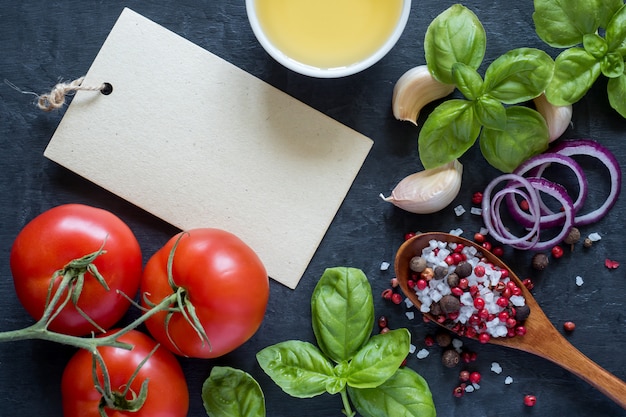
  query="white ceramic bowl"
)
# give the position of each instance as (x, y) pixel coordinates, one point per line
(336, 72)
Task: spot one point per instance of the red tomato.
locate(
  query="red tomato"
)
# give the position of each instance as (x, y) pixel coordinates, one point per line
(168, 395)
(225, 281)
(64, 233)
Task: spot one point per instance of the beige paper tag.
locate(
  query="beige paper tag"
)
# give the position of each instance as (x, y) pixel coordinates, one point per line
(200, 143)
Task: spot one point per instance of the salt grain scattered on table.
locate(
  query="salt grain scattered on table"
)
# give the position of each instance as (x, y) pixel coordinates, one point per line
(384, 266)
(422, 353)
(508, 380)
(579, 281)
(459, 210)
(410, 315)
(495, 367)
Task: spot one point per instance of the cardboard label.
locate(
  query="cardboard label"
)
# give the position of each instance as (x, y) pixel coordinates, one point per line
(199, 142)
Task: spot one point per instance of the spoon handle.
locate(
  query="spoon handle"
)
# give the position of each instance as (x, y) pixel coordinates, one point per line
(560, 351)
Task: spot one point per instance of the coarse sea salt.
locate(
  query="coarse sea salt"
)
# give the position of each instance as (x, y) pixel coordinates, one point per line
(508, 380)
(476, 211)
(579, 281)
(495, 367)
(594, 237)
(412, 348)
(410, 315)
(422, 353)
(384, 266)
(459, 210)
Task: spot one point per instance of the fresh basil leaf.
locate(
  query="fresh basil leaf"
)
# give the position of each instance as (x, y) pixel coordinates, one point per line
(561, 24)
(449, 131)
(575, 71)
(490, 112)
(606, 9)
(229, 392)
(616, 89)
(467, 80)
(298, 367)
(526, 134)
(342, 310)
(405, 394)
(379, 359)
(595, 45)
(518, 75)
(612, 66)
(616, 32)
(456, 35)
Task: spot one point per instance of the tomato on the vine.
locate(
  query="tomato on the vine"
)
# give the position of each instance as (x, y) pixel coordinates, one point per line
(167, 392)
(225, 281)
(65, 233)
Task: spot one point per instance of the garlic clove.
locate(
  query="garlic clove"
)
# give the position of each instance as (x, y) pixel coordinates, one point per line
(558, 118)
(428, 191)
(415, 89)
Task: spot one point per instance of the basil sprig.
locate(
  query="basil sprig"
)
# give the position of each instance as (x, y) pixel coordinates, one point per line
(230, 392)
(349, 360)
(577, 26)
(454, 46)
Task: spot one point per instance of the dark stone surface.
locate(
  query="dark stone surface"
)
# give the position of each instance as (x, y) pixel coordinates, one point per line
(42, 42)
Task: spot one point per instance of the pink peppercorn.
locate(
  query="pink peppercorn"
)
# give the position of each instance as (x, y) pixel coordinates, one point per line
(530, 400)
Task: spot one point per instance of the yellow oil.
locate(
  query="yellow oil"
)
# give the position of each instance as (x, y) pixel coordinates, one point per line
(328, 33)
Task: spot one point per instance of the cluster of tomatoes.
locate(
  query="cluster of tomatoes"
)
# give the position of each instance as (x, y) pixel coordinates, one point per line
(210, 265)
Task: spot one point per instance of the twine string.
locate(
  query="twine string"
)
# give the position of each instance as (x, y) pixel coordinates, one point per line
(56, 97)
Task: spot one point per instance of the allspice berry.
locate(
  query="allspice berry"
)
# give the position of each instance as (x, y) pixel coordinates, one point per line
(417, 264)
(540, 261)
(450, 358)
(449, 304)
(572, 237)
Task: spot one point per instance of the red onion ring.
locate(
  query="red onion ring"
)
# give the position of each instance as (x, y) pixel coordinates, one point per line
(536, 166)
(592, 148)
(531, 240)
(491, 210)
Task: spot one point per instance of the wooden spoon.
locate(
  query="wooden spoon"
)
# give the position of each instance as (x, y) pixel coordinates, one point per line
(541, 339)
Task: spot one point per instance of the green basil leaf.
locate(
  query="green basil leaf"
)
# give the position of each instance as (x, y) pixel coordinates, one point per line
(229, 392)
(561, 24)
(526, 134)
(616, 89)
(342, 307)
(491, 113)
(575, 71)
(612, 66)
(616, 32)
(405, 394)
(449, 131)
(606, 10)
(379, 359)
(518, 75)
(467, 80)
(299, 368)
(595, 45)
(456, 35)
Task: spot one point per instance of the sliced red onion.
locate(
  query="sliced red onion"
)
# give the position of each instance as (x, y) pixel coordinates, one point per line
(592, 148)
(491, 210)
(493, 221)
(536, 166)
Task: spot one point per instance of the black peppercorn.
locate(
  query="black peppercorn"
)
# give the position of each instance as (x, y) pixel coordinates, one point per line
(453, 280)
(449, 304)
(587, 242)
(522, 312)
(443, 339)
(450, 358)
(540, 261)
(440, 272)
(435, 309)
(418, 264)
(463, 269)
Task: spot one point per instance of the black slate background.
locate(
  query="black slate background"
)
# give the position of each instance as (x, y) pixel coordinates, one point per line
(42, 42)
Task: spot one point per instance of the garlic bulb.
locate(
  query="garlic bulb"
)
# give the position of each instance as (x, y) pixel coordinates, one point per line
(428, 191)
(558, 118)
(415, 89)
